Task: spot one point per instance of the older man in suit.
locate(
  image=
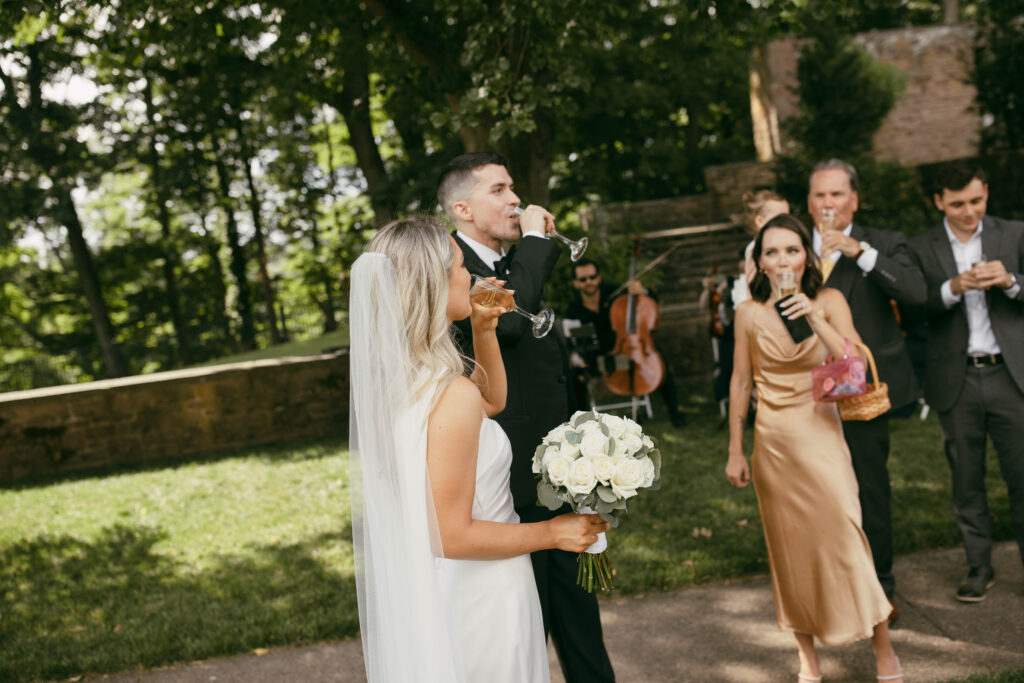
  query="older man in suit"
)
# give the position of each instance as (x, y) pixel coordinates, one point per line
(475, 190)
(974, 372)
(871, 268)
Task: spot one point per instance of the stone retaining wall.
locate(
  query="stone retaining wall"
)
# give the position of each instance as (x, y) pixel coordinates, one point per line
(167, 415)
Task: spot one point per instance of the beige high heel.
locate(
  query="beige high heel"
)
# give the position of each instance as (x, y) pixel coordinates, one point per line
(805, 677)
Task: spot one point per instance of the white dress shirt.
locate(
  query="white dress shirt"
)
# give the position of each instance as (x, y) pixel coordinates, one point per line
(981, 340)
(486, 254)
(865, 261)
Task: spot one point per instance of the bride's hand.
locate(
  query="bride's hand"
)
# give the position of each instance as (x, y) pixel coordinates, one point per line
(486, 319)
(575, 533)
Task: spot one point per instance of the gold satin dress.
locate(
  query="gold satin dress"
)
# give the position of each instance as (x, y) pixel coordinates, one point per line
(823, 576)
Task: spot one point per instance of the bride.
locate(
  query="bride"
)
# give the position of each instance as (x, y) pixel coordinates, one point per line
(445, 586)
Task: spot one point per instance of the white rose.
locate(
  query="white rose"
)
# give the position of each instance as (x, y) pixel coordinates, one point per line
(633, 443)
(648, 441)
(632, 427)
(621, 450)
(604, 469)
(581, 478)
(594, 443)
(569, 450)
(558, 469)
(550, 453)
(557, 434)
(647, 467)
(628, 477)
(615, 424)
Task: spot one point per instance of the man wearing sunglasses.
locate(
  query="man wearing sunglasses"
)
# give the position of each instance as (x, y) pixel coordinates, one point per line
(592, 306)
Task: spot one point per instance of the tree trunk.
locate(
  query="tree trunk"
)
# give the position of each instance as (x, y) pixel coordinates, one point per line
(170, 256)
(261, 250)
(950, 11)
(238, 261)
(216, 271)
(354, 104)
(41, 151)
(67, 215)
(327, 304)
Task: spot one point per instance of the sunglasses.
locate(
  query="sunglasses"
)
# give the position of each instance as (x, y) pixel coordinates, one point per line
(587, 278)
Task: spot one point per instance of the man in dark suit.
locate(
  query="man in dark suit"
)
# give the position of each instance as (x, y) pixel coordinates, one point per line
(871, 268)
(475, 190)
(974, 372)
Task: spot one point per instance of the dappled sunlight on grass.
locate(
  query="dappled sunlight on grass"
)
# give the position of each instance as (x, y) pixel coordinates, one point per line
(109, 571)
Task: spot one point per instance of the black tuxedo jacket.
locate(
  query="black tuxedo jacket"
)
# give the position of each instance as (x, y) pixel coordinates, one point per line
(945, 365)
(895, 276)
(539, 393)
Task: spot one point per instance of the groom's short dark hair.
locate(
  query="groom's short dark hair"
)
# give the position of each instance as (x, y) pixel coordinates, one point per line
(459, 171)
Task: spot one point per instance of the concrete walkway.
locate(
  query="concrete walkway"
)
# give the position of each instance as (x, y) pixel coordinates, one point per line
(727, 633)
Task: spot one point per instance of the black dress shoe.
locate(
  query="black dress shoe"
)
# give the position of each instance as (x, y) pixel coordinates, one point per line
(976, 585)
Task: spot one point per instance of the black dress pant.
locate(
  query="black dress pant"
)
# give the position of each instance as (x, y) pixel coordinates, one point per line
(869, 450)
(990, 403)
(570, 613)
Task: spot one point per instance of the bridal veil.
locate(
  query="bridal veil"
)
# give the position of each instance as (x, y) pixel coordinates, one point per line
(405, 624)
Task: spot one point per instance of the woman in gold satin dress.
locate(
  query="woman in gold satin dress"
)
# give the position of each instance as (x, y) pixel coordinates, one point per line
(823, 578)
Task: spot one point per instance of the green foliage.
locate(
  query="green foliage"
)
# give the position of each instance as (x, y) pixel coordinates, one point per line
(999, 75)
(831, 123)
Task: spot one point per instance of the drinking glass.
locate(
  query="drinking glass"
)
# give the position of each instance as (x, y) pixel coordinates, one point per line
(828, 219)
(787, 283)
(576, 248)
(489, 295)
(977, 263)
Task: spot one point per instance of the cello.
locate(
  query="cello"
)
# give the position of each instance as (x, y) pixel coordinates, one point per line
(633, 318)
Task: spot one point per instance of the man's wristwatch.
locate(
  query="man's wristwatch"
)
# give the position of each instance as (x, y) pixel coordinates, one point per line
(862, 247)
(1013, 281)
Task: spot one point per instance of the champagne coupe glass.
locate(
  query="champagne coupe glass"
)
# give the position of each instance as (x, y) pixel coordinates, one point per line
(576, 248)
(489, 295)
(787, 283)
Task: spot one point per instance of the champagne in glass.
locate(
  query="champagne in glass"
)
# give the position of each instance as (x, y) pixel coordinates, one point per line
(489, 295)
(576, 248)
(828, 220)
(787, 283)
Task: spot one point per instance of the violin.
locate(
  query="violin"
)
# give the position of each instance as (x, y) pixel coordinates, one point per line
(633, 318)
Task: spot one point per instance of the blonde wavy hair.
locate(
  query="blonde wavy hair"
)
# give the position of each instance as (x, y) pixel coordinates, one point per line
(422, 254)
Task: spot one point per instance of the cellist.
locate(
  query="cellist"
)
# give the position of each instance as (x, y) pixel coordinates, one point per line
(592, 305)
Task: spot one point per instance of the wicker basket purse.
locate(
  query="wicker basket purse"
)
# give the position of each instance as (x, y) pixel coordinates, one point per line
(873, 402)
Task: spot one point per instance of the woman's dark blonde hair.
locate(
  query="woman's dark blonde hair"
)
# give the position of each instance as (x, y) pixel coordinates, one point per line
(422, 253)
(753, 205)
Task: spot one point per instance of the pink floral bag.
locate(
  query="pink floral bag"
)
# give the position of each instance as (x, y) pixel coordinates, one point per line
(835, 380)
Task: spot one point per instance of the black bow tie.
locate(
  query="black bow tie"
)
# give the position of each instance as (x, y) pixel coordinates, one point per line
(502, 265)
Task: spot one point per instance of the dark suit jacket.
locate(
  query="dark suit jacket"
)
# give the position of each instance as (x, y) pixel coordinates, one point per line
(895, 276)
(946, 366)
(539, 393)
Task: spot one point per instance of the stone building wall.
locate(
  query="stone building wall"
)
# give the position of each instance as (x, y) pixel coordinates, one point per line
(167, 415)
(933, 121)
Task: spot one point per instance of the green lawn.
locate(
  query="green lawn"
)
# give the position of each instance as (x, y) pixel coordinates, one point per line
(141, 568)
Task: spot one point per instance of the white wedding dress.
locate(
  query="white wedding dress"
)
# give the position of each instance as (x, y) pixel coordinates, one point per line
(496, 611)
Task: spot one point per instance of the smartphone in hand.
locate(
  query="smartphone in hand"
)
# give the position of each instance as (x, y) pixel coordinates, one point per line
(799, 329)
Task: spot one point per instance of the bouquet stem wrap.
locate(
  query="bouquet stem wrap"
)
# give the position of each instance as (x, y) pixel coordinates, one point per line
(595, 569)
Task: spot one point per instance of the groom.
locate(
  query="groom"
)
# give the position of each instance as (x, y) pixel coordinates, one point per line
(475, 190)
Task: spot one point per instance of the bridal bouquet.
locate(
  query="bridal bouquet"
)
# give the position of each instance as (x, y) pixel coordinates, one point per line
(595, 463)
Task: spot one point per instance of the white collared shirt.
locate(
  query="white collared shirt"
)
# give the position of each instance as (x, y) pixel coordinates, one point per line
(865, 261)
(981, 340)
(486, 254)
